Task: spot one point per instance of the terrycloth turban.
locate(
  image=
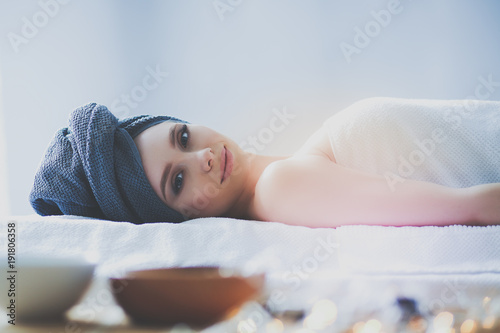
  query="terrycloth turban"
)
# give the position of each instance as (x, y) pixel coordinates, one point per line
(93, 168)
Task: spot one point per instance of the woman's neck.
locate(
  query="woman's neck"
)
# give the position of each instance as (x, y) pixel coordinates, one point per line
(256, 165)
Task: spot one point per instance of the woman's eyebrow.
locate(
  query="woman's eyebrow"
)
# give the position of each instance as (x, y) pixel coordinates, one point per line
(172, 136)
(166, 171)
(164, 177)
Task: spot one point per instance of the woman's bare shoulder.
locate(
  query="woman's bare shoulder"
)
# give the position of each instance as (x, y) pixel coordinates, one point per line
(281, 184)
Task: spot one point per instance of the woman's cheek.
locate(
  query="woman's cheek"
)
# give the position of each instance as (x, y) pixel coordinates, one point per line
(200, 199)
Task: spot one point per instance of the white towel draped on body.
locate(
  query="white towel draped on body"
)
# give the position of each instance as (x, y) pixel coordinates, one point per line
(453, 143)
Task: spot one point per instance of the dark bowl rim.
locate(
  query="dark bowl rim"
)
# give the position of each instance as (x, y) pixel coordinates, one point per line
(188, 277)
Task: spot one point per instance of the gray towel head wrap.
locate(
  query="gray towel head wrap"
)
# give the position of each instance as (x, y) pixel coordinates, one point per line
(93, 168)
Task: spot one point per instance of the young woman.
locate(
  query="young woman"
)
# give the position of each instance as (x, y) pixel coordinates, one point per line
(380, 162)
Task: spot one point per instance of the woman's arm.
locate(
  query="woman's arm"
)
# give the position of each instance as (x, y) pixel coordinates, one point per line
(314, 192)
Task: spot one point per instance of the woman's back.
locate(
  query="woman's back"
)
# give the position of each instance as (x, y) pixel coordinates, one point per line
(353, 169)
(453, 143)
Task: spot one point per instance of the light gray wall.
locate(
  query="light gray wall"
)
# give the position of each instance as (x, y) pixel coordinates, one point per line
(230, 70)
(4, 186)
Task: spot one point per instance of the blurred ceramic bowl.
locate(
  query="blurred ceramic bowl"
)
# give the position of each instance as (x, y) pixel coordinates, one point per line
(45, 288)
(196, 296)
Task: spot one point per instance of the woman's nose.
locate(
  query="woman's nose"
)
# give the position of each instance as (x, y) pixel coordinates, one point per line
(206, 159)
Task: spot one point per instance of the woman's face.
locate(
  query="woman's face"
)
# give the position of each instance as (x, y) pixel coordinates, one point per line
(193, 169)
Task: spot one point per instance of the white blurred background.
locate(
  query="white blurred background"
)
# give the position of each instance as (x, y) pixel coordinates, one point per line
(228, 64)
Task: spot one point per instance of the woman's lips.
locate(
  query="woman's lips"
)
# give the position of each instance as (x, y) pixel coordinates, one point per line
(226, 164)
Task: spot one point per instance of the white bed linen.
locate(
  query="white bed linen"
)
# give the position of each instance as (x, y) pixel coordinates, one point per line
(441, 266)
(268, 245)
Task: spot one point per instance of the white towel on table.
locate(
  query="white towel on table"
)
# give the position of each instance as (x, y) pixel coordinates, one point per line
(363, 268)
(269, 246)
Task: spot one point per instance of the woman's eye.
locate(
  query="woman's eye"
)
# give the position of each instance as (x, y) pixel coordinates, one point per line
(177, 184)
(184, 138)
